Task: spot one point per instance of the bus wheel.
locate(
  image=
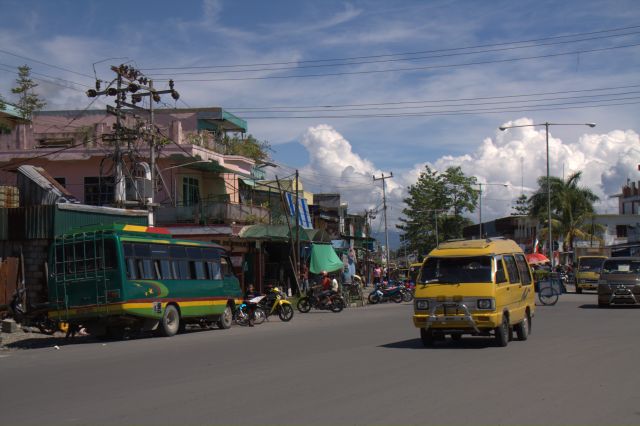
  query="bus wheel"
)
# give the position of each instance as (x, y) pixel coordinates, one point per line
(226, 318)
(170, 323)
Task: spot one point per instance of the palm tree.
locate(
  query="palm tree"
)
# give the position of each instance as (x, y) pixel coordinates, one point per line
(571, 209)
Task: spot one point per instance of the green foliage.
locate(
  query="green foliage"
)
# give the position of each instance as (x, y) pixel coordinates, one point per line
(442, 197)
(248, 147)
(522, 206)
(28, 100)
(571, 209)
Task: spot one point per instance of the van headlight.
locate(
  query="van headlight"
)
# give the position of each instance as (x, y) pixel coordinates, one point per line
(486, 304)
(422, 304)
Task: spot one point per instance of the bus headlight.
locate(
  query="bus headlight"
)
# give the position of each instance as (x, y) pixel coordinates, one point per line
(422, 304)
(485, 304)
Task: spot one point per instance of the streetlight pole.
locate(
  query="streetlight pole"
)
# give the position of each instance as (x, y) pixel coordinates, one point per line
(546, 125)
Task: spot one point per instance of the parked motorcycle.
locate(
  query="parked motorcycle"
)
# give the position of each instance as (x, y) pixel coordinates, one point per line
(382, 294)
(274, 303)
(31, 316)
(335, 303)
(241, 315)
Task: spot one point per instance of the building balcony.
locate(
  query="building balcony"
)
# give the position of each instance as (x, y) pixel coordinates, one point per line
(209, 213)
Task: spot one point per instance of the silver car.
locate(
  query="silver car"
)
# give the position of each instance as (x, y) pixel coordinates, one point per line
(619, 281)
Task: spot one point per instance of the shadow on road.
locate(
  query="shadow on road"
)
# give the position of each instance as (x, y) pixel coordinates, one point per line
(468, 343)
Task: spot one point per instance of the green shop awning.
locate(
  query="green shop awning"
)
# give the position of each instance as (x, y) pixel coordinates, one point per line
(324, 258)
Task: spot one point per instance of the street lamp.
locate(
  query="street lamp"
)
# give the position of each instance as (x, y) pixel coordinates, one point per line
(480, 207)
(546, 125)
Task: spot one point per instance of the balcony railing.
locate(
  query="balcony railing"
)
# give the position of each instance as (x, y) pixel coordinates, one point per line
(212, 213)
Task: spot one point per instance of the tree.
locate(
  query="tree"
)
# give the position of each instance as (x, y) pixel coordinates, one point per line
(442, 197)
(248, 147)
(28, 101)
(522, 207)
(571, 209)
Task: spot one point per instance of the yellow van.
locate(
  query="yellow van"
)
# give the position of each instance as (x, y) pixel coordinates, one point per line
(476, 287)
(588, 272)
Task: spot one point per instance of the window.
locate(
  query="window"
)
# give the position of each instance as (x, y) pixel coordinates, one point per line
(473, 269)
(166, 272)
(215, 272)
(621, 231)
(500, 270)
(199, 270)
(512, 269)
(225, 265)
(182, 270)
(524, 269)
(132, 272)
(190, 191)
(99, 190)
(62, 181)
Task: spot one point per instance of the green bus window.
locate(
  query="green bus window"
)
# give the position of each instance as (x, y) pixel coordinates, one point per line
(210, 254)
(146, 269)
(524, 269)
(177, 252)
(183, 269)
(166, 272)
(159, 251)
(109, 258)
(194, 253)
(199, 270)
(127, 249)
(59, 259)
(79, 256)
(225, 265)
(90, 252)
(142, 250)
(214, 270)
(132, 272)
(512, 269)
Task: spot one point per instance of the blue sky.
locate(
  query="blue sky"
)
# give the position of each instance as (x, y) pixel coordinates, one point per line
(470, 72)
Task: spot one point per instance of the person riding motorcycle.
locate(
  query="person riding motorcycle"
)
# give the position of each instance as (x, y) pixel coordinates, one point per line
(327, 288)
(251, 306)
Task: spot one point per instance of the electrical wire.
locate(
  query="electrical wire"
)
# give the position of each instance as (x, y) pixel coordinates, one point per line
(6, 52)
(407, 69)
(398, 54)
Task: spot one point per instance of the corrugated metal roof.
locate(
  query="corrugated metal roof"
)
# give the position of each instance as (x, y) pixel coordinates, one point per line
(37, 188)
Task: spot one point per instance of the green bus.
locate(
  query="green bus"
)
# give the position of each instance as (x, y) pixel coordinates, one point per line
(111, 278)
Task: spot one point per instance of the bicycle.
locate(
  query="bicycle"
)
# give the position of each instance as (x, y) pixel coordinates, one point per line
(549, 292)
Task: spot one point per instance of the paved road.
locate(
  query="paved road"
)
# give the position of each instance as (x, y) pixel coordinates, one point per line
(363, 366)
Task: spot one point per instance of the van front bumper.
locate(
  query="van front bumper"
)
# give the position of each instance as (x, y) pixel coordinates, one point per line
(463, 319)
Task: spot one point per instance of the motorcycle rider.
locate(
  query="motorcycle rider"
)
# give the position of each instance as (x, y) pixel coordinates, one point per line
(326, 283)
(251, 307)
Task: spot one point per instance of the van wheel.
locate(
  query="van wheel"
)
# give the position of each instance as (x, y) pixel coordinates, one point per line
(226, 318)
(524, 328)
(427, 337)
(170, 322)
(502, 332)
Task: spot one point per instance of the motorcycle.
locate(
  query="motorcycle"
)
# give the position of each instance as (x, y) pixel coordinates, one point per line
(382, 294)
(335, 303)
(275, 303)
(407, 291)
(33, 315)
(241, 315)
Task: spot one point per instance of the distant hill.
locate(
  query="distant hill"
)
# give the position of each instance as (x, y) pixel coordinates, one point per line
(394, 238)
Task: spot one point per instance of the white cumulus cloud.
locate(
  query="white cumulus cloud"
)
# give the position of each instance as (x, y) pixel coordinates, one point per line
(516, 158)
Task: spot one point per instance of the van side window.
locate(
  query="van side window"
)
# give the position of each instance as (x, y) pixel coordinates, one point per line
(512, 269)
(523, 267)
(226, 267)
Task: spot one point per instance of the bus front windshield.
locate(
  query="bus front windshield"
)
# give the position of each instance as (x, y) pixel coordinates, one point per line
(456, 270)
(591, 264)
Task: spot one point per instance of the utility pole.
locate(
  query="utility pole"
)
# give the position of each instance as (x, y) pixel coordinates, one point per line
(296, 257)
(138, 86)
(384, 203)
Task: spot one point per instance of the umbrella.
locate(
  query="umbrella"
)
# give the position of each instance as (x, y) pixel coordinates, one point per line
(536, 258)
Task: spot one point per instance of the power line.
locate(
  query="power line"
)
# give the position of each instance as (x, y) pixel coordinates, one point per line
(399, 54)
(444, 113)
(421, 68)
(244, 109)
(6, 52)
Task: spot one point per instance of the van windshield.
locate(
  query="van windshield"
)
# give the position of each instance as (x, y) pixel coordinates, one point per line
(621, 266)
(454, 270)
(591, 264)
